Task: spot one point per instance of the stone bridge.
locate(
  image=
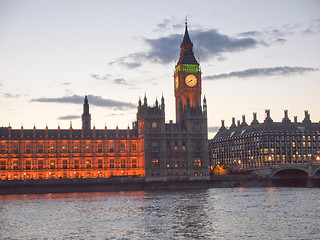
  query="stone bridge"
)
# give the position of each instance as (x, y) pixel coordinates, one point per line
(291, 170)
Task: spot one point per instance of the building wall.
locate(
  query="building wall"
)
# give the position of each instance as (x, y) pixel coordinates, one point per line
(71, 158)
(266, 144)
(174, 151)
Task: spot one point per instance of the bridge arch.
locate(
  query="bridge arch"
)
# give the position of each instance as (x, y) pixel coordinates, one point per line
(316, 173)
(296, 172)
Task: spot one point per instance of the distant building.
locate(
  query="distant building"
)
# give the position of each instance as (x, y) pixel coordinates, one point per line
(152, 149)
(265, 144)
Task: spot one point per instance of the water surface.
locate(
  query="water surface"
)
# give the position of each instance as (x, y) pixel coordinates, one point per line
(230, 213)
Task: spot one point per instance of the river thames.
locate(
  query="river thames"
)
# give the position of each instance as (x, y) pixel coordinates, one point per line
(217, 213)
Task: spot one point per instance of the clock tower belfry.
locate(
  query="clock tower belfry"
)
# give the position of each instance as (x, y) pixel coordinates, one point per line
(187, 78)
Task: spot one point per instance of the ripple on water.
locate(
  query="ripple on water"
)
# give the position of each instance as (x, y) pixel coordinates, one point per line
(231, 213)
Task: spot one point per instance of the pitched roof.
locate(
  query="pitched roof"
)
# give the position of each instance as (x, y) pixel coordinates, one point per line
(186, 39)
(186, 52)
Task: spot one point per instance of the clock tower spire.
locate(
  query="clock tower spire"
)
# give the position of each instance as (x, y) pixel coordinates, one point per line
(187, 78)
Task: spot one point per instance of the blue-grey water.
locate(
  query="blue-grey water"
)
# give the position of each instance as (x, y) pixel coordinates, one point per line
(230, 213)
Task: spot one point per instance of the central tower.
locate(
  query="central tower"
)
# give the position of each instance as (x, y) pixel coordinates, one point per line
(187, 78)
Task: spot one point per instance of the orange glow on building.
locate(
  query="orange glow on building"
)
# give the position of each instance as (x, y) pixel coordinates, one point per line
(69, 157)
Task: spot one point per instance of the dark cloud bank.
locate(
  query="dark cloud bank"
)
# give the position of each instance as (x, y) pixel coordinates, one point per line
(262, 72)
(211, 44)
(93, 100)
(69, 117)
(208, 44)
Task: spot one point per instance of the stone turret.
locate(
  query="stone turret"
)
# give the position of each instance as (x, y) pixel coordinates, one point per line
(86, 116)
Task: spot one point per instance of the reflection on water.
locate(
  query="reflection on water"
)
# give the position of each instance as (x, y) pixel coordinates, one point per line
(233, 213)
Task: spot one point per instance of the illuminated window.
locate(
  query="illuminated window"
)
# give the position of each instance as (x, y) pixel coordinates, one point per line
(176, 145)
(99, 147)
(111, 163)
(28, 164)
(64, 164)
(27, 147)
(76, 147)
(15, 147)
(88, 163)
(100, 163)
(122, 147)
(3, 165)
(111, 147)
(15, 164)
(176, 162)
(123, 163)
(168, 162)
(134, 163)
(40, 164)
(52, 164)
(76, 163)
(197, 162)
(183, 147)
(52, 147)
(88, 147)
(3, 148)
(154, 125)
(39, 147)
(155, 163)
(64, 147)
(133, 147)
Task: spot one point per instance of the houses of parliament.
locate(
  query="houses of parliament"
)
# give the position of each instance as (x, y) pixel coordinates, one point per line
(151, 149)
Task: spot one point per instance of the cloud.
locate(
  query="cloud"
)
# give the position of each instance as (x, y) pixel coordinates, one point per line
(280, 40)
(69, 117)
(209, 44)
(168, 24)
(213, 129)
(62, 83)
(130, 61)
(250, 34)
(9, 95)
(313, 28)
(271, 35)
(98, 77)
(121, 81)
(65, 83)
(262, 72)
(108, 77)
(93, 100)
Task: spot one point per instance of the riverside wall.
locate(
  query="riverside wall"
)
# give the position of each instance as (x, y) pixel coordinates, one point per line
(139, 184)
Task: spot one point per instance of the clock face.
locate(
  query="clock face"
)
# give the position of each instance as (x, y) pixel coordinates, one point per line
(176, 81)
(191, 80)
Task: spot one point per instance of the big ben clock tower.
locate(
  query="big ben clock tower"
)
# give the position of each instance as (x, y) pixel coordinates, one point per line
(187, 78)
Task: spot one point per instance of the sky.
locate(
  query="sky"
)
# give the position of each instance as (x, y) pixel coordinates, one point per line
(254, 55)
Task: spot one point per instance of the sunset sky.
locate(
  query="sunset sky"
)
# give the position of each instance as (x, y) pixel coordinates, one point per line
(254, 55)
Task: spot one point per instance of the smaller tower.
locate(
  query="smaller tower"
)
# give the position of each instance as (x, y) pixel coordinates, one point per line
(86, 116)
